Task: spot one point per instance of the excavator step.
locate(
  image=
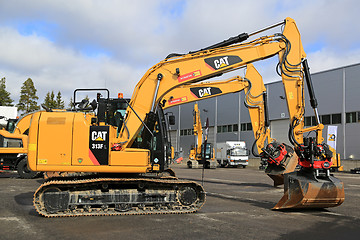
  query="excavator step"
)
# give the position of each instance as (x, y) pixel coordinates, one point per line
(118, 196)
(301, 191)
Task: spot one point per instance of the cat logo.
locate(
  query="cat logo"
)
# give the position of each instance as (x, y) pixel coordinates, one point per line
(200, 92)
(204, 92)
(222, 62)
(98, 135)
(99, 145)
(219, 62)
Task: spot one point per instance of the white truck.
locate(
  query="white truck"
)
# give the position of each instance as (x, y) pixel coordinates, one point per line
(232, 153)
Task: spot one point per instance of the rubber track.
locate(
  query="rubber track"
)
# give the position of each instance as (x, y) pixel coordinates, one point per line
(111, 212)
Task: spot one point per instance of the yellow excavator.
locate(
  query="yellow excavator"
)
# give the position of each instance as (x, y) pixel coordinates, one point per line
(127, 171)
(195, 157)
(13, 147)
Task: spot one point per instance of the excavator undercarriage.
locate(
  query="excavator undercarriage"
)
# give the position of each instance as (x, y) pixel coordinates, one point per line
(91, 196)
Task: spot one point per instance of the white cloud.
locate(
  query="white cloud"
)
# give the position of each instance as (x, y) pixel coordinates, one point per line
(326, 59)
(55, 68)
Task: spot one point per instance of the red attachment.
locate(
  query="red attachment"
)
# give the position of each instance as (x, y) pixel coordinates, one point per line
(317, 164)
(179, 160)
(116, 147)
(324, 161)
(282, 153)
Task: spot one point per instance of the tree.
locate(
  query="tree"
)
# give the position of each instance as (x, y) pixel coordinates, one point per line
(5, 99)
(71, 104)
(28, 99)
(59, 102)
(49, 101)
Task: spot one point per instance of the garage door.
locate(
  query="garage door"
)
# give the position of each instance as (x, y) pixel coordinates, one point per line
(279, 130)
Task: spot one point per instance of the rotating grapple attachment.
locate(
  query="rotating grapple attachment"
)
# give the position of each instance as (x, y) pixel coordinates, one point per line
(312, 186)
(280, 160)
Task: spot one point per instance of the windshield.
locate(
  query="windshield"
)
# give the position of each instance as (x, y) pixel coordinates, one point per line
(10, 127)
(238, 152)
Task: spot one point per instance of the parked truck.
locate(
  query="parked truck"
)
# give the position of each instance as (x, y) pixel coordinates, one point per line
(232, 153)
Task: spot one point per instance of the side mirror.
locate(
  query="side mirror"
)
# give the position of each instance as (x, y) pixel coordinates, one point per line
(84, 103)
(172, 120)
(93, 105)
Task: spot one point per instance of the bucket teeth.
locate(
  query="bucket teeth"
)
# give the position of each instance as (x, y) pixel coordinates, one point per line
(303, 191)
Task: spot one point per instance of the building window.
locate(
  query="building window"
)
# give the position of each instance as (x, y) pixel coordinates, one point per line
(351, 117)
(325, 119)
(313, 121)
(336, 118)
(227, 128)
(307, 121)
(246, 127)
(186, 132)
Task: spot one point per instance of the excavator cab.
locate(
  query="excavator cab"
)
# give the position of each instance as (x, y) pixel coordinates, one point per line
(206, 151)
(10, 125)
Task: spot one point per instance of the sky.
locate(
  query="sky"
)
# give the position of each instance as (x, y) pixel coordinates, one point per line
(64, 45)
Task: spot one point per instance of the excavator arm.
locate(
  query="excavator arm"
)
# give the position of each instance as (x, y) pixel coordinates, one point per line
(214, 61)
(198, 132)
(195, 92)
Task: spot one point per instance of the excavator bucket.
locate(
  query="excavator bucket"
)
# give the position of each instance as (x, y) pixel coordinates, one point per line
(304, 191)
(276, 173)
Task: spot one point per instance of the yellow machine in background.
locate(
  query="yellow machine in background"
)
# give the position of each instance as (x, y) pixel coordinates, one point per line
(195, 157)
(131, 153)
(13, 147)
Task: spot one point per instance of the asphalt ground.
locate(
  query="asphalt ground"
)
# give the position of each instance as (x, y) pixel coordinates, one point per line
(238, 206)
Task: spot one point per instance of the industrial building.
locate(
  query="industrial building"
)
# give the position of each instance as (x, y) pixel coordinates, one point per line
(337, 92)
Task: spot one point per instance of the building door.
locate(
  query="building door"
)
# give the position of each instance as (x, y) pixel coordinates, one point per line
(279, 130)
